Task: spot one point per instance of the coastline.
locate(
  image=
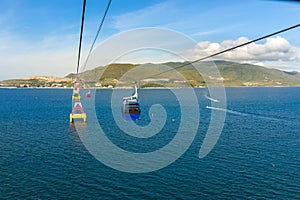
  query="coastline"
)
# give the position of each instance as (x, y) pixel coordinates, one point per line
(147, 88)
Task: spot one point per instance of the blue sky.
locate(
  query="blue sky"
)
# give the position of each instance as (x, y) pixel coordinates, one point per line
(40, 37)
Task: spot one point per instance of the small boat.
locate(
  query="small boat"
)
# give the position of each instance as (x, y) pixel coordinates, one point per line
(131, 108)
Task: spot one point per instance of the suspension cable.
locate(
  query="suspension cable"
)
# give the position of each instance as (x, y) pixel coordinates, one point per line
(100, 26)
(229, 49)
(81, 32)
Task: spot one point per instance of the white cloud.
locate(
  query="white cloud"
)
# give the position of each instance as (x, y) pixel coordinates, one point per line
(215, 31)
(273, 50)
(53, 55)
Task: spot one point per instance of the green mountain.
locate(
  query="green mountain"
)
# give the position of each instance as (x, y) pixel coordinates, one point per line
(232, 74)
(171, 74)
(247, 74)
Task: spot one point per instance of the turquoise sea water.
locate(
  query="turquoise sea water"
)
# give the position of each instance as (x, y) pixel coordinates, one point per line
(256, 157)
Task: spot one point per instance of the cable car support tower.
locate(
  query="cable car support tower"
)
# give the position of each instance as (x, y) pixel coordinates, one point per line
(78, 111)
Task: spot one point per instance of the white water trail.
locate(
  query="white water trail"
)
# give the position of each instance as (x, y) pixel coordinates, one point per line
(209, 98)
(243, 114)
(228, 111)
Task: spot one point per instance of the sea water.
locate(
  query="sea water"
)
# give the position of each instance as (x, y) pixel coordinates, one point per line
(256, 157)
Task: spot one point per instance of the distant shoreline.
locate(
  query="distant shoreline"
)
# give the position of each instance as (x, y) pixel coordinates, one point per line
(147, 88)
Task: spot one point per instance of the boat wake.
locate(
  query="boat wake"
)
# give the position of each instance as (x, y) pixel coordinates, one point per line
(209, 98)
(228, 111)
(243, 114)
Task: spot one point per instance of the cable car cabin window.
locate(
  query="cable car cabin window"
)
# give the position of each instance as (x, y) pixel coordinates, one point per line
(132, 109)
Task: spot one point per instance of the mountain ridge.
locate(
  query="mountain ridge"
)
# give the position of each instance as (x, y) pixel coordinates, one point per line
(231, 73)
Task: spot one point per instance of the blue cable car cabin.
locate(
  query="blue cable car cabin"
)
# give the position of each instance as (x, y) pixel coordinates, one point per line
(131, 108)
